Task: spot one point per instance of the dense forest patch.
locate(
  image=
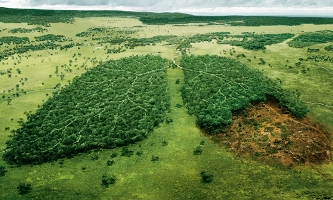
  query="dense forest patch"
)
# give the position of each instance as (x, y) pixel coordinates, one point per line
(106, 34)
(308, 39)
(185, 43)
(217, 86)
(234, 20)
(34, 16)
(114, 104)
(253, 41)
(116, 36)
(249, 41)
(14, 40)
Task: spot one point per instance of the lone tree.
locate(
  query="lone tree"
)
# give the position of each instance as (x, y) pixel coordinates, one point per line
(9, 100)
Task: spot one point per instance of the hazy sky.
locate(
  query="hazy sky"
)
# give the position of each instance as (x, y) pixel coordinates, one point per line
(212, 7)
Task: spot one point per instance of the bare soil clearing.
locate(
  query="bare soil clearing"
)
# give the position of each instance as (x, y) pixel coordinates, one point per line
(269, 133)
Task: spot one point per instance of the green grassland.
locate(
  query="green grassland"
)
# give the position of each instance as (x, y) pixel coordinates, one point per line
(176, 172)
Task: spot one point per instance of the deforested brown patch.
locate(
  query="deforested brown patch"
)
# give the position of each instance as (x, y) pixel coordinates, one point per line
(267, 132)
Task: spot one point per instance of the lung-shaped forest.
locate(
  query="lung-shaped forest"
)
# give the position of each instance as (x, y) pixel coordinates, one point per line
(119, 102)
(113, 104)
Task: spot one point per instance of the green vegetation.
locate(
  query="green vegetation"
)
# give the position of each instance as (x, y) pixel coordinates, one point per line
(45, 17)
(14, 40)
(20, 49)
(51, 38)
(247, 40)
(233, 20)
(33, 16)
(197, 150)
(114, 104)
(134, 42)
(217, 86)
(3, 170)
(255, 42)
(308, 39)
(23, 44)
(107, 180)
(27, 30)
(114, 36)
(24, 188)
(329, 47)
(126, 152)
(163, 164)
(208, 37)
(318, 58)
(154, 158)
(206, 178)
(107, 35)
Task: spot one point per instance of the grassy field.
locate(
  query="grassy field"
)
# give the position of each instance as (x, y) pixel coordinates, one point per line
(176, 174)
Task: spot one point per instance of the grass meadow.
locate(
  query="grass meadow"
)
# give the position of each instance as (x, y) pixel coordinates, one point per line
(176, 173)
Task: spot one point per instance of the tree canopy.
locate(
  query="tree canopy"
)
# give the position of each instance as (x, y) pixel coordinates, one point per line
(217, 86)
(113, 104)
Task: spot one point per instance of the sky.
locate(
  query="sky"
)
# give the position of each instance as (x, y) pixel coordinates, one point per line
(196, 7)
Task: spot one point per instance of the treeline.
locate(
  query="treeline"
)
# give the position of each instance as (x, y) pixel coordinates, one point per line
(34, 16)
(23, 44)
(24, 40)
(51, 38)
(134, 42)
(308, 39)
(318, 58)
(255, 42)
(208, 37)
(45, 17)
(113, 104)
(13, 40)
(115, 36)
(91, 32)
(27, 30)
(234, 20)
(217, 86)
(249, 41)
(19, 49)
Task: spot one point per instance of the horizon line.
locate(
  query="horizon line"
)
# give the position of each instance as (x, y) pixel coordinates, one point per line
(216, 12)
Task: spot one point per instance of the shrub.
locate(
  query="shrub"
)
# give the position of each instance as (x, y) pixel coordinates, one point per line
(3, 170)
(24, 188)
(107, 180)
(206, 178)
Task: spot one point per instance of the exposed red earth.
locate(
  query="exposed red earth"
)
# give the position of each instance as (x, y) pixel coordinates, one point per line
(268, 133)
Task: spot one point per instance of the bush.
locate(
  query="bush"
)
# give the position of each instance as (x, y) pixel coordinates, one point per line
(3, 170)
(24, 188)
(107, 180)
(197, 150)
(126, 152)
(206, 178)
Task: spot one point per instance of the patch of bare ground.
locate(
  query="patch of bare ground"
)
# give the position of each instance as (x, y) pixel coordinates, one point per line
(269, 133)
